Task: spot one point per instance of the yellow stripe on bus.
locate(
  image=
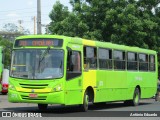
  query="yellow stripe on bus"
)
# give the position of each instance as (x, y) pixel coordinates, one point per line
(88, 42)
(46, 90)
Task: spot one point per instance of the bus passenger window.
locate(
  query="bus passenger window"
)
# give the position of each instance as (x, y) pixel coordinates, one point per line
(143, 62)
(119, 60)
(132, 61)
(90, 57)
(73, 64)
(105, 58)
(152, 63)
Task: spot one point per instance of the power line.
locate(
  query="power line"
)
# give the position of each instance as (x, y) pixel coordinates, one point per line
(15, 21)
(20, 12)
(21, 9)
(23, 13)
(21, 17)
(16, 10)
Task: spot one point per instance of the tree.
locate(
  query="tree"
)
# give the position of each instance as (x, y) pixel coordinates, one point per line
(65, 22)
(10, 27)
(127, 22)
(58, 14)
(10, 31)
(7, 45)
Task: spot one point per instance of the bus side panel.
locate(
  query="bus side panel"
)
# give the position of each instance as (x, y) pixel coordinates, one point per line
(116, 81)
(145, 80)
(132, 83)
(112, 87)
(149, 85)
(89, 79)
(101, 91)
(73, 93)
(89, 75)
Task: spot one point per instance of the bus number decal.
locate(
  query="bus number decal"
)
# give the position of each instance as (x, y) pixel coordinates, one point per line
(138, 78)
(100, 83)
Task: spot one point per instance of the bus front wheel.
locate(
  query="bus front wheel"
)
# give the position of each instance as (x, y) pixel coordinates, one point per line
(42, 106)
(84, 106)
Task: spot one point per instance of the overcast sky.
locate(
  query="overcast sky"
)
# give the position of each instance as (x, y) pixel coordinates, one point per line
(13, 10)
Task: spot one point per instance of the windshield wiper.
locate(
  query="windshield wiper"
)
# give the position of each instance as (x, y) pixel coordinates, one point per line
(41, 58)
(44, 54)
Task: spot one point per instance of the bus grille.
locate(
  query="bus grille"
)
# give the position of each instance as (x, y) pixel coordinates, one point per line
(25, 97)
(34, 86)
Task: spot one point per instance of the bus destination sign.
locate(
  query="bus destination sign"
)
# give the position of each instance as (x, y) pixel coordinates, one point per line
(39, 42)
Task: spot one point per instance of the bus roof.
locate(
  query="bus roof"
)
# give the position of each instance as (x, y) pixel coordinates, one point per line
(40, 36)
(77, 40)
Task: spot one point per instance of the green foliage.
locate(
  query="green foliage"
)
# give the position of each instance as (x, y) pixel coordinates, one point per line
(12, 28)
(128, 22)
(7, 45)
(10, 31)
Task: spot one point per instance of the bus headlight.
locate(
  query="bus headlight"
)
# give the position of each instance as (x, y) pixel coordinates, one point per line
(12, 87)
(57, 88)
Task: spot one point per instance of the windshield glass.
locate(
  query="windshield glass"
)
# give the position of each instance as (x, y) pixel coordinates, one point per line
(37, 63)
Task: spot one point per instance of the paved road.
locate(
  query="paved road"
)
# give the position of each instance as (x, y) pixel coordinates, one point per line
(112, 109)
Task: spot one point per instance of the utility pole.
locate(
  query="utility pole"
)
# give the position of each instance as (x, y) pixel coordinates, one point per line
(34, 19)
(39, 31)
(20, 25)
(34, 24)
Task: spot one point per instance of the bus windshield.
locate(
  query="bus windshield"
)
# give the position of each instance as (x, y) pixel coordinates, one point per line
(37, 63)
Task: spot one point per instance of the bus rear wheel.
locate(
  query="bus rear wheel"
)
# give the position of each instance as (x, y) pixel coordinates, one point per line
(135, 100)
(136, 97)
(42, 106)
(84, 106)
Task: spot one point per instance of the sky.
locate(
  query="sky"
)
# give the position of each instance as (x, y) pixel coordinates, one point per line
(11, 11)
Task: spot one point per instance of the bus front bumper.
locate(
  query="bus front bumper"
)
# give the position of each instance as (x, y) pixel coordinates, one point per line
(44, 98)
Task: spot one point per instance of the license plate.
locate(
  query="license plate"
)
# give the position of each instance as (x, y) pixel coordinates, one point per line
(33, 95)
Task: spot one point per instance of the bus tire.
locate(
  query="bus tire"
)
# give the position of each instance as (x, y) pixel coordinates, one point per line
(42, 106)
(4, 93)
(84, 106)
(136, 97)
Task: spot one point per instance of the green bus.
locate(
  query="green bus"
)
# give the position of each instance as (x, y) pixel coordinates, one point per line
(53, 69)
(1, 66)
